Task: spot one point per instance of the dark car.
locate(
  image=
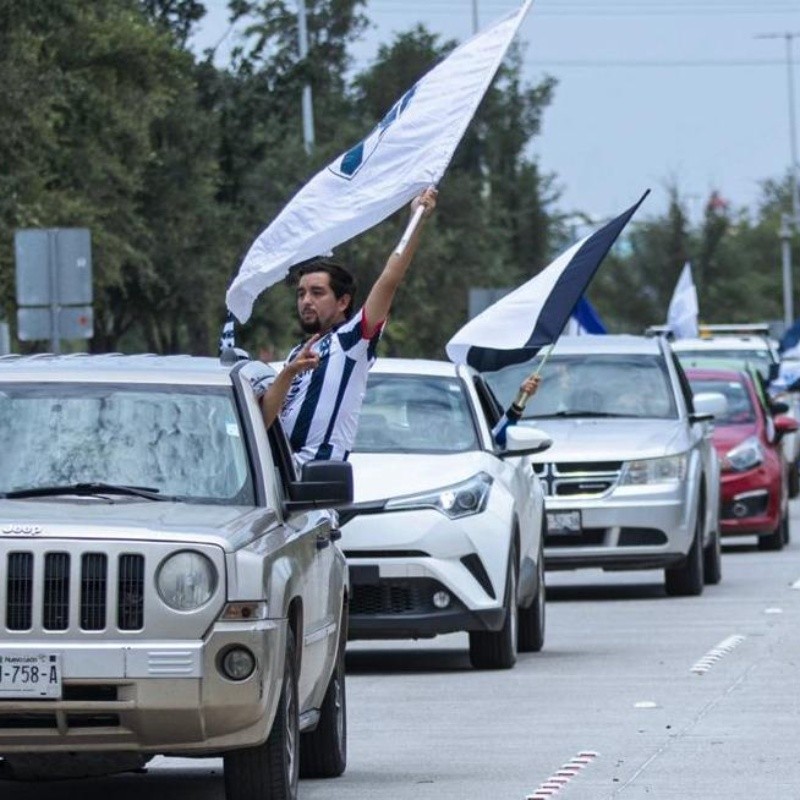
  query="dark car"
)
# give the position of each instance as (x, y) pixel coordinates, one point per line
(755, 496)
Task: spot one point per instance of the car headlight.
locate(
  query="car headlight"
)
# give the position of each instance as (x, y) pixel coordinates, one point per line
(671, 469)
(186, 580)
(460, 500)
(744, 456)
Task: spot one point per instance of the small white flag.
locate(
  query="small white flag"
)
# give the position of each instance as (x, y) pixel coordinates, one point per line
(407, 152)
(683, 308)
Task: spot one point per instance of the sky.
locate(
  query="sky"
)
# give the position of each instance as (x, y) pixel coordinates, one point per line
(651, 93)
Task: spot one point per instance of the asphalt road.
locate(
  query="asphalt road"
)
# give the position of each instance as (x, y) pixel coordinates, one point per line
(635, 695)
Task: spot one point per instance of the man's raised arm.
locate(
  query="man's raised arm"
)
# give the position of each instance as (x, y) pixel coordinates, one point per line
(379, 301)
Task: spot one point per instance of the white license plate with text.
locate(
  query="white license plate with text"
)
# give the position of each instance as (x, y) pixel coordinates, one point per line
(563, 522)
(30, 676)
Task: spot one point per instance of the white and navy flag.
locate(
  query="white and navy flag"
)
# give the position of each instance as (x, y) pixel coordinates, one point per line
(518, 325)
(683, 307)
(407, 152)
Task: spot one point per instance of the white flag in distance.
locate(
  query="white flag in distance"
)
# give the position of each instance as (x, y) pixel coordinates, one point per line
(683, 307)
(407, 152)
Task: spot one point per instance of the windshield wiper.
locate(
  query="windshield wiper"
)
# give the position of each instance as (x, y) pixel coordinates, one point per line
(581, 414)
(148, 492)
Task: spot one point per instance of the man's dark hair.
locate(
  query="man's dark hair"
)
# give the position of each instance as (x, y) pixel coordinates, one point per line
(341, 279)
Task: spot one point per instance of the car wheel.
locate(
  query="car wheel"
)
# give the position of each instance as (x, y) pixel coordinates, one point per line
(774, 540)
(323, 751)
(712, 560)
(498, 649)
(687, 579)
(269, 771)
(787, 533)
(794, 480)
(532, 619)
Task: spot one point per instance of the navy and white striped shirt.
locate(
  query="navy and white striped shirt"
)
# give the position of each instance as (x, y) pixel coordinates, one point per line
(321, 410)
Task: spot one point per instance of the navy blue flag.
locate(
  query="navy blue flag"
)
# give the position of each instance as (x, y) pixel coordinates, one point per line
(517, 326)
(585, 319)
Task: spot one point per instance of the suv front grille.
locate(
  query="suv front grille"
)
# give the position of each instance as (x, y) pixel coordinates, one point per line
(578, 479)
(45, 584)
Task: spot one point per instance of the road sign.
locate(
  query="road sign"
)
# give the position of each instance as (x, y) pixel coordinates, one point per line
(54, 284)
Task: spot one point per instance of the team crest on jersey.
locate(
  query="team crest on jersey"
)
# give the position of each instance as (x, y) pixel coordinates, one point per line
(349, 165)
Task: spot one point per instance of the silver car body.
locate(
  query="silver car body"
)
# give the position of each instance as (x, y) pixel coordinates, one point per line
(416, 552)
(594, 519)
(152, 682)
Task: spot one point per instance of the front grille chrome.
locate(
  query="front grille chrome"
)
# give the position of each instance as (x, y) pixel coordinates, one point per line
(578, 479)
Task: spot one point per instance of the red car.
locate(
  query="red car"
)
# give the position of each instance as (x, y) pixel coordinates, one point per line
(755, 494)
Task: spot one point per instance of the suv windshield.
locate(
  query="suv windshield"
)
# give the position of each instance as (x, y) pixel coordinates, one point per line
(592, 385)
(180, 441)
(415, 414)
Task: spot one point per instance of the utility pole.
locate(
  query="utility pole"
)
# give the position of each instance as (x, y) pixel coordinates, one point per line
(308, 108)
(474, 16)
(789, 222)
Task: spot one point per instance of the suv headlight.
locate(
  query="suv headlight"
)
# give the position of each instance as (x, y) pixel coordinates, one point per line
(186, 580)
(744, 456)
(671, 469)
(460, 500)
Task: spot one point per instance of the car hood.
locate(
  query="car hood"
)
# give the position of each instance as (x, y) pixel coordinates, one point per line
(726, 437)
(90, 518)
(609, 439)
(377, 476)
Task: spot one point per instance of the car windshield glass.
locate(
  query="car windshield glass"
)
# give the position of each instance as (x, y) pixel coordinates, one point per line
(415, 414)
(740, 407)
(179, 441)
(592, 385)
(758, 359)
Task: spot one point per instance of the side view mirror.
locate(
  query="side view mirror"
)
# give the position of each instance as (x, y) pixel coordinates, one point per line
(708, 405)
(784, 425)
(322, 484)
(522, 440)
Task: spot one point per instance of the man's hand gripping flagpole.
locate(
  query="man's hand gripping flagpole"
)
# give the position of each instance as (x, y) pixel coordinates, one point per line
(413, 224)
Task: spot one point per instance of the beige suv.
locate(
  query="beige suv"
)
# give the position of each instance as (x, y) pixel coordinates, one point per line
(168, 583)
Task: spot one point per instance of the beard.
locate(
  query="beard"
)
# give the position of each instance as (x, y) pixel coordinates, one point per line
(310, 326)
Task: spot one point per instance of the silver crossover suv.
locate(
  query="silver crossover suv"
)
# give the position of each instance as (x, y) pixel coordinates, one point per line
(632, 480)
(168, 583)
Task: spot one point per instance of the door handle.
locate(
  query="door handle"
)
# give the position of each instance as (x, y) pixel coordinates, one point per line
(322, 541)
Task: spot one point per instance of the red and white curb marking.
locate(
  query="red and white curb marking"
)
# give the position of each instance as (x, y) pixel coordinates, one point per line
(716, 653)
(561, 777)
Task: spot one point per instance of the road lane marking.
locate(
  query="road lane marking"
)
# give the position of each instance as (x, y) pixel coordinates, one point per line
(562, 776)
(716, 653)
(773, 611)
(645, 704)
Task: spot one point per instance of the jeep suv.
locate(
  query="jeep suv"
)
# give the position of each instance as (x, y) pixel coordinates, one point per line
(169, 583)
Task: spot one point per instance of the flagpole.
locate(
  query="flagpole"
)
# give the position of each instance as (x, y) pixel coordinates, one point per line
(413, 224)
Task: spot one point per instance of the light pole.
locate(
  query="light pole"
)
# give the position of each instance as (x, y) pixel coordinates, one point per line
(789, 222)
(308, 108)
(474, 16)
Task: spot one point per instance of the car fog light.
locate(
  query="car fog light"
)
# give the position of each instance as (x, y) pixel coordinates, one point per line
(441, 599)
(238, 663)
(740, 510)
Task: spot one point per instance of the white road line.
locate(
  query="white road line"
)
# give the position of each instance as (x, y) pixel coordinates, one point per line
(716, 653)
(562, 776)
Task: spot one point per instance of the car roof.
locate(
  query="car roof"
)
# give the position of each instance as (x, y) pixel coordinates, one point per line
(607, 343)
(722, 343)
(417, 366)
(116, 368)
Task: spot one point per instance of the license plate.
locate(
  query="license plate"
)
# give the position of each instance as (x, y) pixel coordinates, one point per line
(563, 522)
(30, 676)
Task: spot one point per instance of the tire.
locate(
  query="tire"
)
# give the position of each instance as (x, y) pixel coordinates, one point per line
(532, 619)
(498, 649)
(269, 771)
(687, 579)
(774, 541)
(323, 751)
(712, 560)
(794, 480)
(787, 530)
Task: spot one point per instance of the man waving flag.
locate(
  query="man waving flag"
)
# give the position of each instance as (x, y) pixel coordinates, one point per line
(518, 325)
(407, 152)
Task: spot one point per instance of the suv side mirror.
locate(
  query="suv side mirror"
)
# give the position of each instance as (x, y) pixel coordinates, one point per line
(322, 484)
(522, 440)
(708, 405)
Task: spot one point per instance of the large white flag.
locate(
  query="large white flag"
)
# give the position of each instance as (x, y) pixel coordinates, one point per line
(407, 151)
(683, 308)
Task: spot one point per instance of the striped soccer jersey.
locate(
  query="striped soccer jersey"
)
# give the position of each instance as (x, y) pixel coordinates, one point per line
(321, 409)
